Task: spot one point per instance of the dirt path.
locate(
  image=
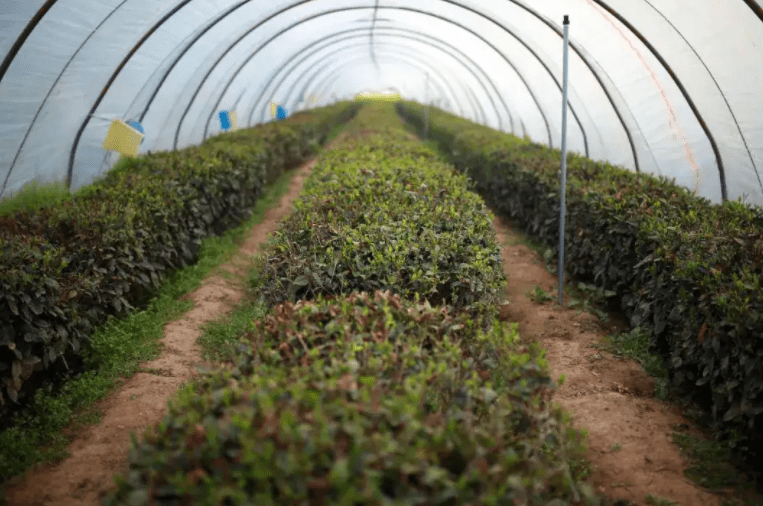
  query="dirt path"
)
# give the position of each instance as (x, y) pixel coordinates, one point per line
(101, 450)
(611, 398)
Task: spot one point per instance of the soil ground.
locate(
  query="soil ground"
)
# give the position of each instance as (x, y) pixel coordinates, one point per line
(610, 397)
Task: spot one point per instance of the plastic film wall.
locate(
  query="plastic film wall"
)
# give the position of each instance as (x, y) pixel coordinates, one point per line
(670, 87)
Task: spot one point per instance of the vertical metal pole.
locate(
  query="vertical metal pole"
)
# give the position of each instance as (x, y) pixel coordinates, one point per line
(426, 107)
(563, 192)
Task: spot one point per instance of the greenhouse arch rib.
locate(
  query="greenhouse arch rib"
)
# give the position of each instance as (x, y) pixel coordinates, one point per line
(7, 63)
(324, 13)
(420, 60)
(433, 69)
(756, 9)
(628, 133)
(230, 10)
(328, 81)
(111, 80)
(596, 75)
(470, 96)
(371, 33)
(315, 50)
(681, 88)
(292, 68)
(209, 26)
(24, 36)
(146, 36)
(720, 90)
(391, 28)
(156, 26)
(53, 86)
(532, 12)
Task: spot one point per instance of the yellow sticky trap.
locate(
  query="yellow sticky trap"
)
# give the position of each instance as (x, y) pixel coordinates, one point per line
(122, 138)
(233, 120)
(272, 109)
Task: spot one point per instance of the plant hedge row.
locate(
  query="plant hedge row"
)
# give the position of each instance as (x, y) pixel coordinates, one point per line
(686, 270)
(367, 399)
(386, 214)
(364, 396)
(65, 268)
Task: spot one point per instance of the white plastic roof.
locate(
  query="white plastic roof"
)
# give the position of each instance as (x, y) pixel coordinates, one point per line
(670, 87)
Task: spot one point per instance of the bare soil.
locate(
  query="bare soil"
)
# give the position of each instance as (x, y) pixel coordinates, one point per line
(610, 397)
(99, 451)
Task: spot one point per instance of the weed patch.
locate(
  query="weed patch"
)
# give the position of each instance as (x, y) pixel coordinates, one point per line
(35, 196)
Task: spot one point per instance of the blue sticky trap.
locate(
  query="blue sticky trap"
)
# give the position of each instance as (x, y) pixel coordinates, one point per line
(136, 125)
(225, 123)
(281, 112)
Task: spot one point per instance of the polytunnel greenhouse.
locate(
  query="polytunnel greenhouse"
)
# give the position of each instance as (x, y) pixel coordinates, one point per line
(668, 88)
(431, 252)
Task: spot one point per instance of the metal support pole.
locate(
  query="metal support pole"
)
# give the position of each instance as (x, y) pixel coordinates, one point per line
(562, 209)
(426, 107)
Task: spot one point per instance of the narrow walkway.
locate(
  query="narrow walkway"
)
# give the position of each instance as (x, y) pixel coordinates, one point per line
(101, 450)
(630, 444)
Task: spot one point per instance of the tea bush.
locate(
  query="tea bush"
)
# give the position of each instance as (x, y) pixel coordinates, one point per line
(686, 271)
(65, 268)
(386, 213)
(368, 399)
(354, 395)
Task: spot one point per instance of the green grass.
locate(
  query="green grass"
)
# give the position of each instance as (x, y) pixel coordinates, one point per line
(635, 345)
(333, 133)
(117, 349)
(710, 464)
(35, 196)
(218, 336)
(539, 295)
(659, 501)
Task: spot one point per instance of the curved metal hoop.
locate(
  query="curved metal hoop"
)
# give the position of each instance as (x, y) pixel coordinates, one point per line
(292, 67)
(421, 61)
(433, 69)
(233, 77)
(756, 9)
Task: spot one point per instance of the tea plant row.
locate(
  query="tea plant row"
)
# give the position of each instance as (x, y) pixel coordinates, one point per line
(65, 268)
(380, 375)
(685, 270)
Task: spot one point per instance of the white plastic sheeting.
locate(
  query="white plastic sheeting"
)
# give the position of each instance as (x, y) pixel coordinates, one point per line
(670, 87)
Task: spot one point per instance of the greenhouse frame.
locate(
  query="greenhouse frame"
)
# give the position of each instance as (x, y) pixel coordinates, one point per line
(669, 88)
